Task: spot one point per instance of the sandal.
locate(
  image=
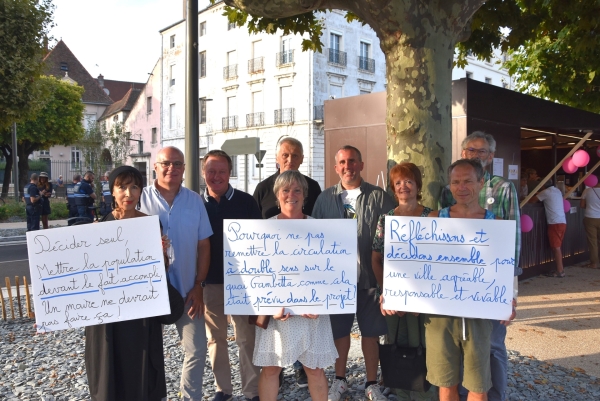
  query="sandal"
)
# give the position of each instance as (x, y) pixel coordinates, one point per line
(590, 266)
(556, 274)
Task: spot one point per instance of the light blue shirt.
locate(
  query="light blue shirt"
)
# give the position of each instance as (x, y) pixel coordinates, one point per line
(185, 223)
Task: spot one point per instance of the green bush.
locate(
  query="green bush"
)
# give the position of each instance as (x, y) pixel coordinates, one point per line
(59, 211)
(12, 208)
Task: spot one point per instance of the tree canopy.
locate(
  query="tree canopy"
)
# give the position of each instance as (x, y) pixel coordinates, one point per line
(24, 26)
(553, 45)
(57, 122)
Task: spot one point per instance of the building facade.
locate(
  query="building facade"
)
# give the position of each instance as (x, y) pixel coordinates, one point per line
(264, 85)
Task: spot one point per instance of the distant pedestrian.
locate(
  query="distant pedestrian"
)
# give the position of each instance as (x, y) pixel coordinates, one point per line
(45, 187)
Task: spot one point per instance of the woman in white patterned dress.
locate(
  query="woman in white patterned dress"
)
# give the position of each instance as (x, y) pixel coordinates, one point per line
(287, 338)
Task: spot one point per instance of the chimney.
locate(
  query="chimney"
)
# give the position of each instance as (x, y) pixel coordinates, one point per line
(101, 80)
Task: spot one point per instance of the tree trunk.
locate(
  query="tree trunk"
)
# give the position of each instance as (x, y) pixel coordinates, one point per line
(419, 96)
(23, 154)
(7, 153)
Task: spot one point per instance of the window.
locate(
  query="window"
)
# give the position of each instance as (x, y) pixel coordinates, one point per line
(172, 117)
(202, 65)
(364, 49)
(149, 104)
(234, 166)
(154, 137)
(505, 85)
(488, 80)
(231, 106)
(287, 54)
(44, 153)
(469, 75)
(172, 74)
(116, 118)
(230, 25)
(364, 62)
(335, 91)
(202, 109)
(202, 29)
(364, 92)
(172, 41)
(257, 102)
(64, 66)
(336, 56)
(334, 41)
(89, 121)
(75, 158)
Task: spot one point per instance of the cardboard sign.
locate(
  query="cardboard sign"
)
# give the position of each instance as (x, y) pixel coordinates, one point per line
(305, 266)
(453, 267)
(97, 273)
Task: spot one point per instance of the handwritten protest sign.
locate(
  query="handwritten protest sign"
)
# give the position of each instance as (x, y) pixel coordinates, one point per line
(97, 273)
(305, 266)
(454, 267)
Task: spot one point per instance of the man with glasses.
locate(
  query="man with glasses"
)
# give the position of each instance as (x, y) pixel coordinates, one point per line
(500, 197)
(184, 220)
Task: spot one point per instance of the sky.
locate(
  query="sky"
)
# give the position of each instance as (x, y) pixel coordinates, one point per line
(116, 38)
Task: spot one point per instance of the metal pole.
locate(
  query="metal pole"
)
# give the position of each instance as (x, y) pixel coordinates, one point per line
(192, 121)
(246, 174)
(15, 163)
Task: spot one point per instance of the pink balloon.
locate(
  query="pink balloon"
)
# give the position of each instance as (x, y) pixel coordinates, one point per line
(591, 181)
(566, 205)
(526, 223)
(568, 166)
(581, 158)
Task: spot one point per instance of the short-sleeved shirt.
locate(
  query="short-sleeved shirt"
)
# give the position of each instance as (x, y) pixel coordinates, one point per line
(31, 191)
(592, 202)
(378, 240)
(185, 223)
(553, 204)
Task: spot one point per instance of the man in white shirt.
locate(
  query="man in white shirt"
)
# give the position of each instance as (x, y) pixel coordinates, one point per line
(557, 222)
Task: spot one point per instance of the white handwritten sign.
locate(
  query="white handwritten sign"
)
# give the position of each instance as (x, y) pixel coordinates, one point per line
(305, 266)
(454, 267)
(97, 273)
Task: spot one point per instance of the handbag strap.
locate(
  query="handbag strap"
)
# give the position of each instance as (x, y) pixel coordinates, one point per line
(418, 326)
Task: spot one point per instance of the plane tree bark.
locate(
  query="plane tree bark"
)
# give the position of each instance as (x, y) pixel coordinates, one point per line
(418, 39)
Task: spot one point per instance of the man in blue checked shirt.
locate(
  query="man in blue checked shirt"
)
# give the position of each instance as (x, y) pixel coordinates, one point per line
(501, 198)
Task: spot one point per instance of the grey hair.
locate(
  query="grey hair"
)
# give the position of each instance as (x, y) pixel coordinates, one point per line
(288, 178)
(480, 135)
(290, 141)
(475, 163)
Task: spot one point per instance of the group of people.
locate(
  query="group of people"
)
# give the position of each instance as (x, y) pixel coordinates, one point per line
(193, 224)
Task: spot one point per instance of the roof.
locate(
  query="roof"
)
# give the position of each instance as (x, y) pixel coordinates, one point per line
(61, 62)
(125, 104)
(118, 89)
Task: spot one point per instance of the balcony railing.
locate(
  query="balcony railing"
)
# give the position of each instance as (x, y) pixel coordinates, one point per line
(255, 119)
(230, 123)
(285, 57)
(366, 64)
(337, 57)
(284, 116)
(230, 71)
(319, 113)
(256, 65)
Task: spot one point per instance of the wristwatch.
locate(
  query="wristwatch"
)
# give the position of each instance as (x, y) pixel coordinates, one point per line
(202, 283)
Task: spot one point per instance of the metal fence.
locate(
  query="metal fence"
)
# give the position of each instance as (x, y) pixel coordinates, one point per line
(284, 116)
(56, 168)
(255, 65)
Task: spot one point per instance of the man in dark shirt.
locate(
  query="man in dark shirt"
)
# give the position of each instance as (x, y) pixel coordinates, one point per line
(32, 201)
(224, 202)
(289, 157)
(85, 196)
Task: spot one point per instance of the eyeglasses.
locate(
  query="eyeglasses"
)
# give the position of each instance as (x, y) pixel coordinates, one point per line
(478, 152)
(167, 164)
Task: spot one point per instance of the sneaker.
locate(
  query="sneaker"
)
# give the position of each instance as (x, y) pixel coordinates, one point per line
(301, 379)
(373, 392)
(221, 396)
(337, 389)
